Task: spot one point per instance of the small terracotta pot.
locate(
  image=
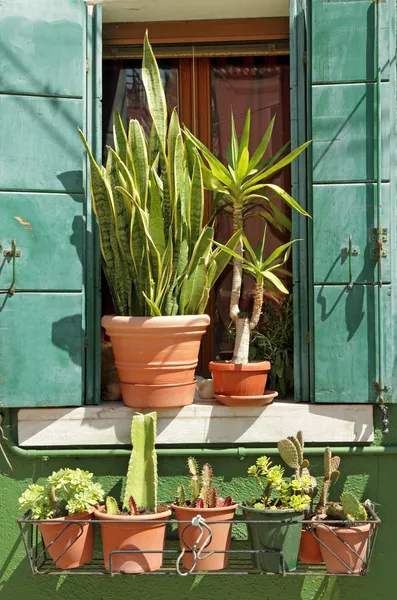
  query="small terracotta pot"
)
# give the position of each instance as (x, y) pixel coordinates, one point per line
(155, 352)
(133, 534)
(75, 542)
(263, 400)
(357, 539)
(309, 549)
(240, 380)
(221, 535)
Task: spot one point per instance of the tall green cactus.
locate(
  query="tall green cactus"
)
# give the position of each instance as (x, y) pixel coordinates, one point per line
(141, 482)
(331, 473)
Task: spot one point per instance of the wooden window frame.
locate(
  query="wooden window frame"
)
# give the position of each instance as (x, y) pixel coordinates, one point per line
(206, 31)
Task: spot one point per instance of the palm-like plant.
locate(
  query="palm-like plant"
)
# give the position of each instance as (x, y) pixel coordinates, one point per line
(158, 254)
(240, 187)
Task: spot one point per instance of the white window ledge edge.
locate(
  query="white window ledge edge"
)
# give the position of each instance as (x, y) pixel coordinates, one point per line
(204, 422)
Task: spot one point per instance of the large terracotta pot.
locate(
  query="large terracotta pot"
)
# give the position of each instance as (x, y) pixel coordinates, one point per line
(156, 357)
(134, 533)
(309, 549)
(356, 539)
(240, 380)
(221, 535)
(75, 542)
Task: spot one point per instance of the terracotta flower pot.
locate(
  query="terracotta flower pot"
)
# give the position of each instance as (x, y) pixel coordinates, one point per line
(356, 539)
(309, 549)
(75, 542)
(133, 534)
(156, 357)
(240, 380)
(221, 535)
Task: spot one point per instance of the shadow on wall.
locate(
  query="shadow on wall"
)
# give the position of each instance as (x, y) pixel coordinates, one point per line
(68, 334)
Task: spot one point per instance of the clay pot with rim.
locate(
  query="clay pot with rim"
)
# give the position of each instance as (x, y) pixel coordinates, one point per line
(351, 548)
(221, 535)
(309, 549)
(136, 533)
(69, 545)
(156, 358)
(231, 379)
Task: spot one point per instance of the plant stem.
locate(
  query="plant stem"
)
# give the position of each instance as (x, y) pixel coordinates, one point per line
(257, 308)
(242, 341)
(237, 270)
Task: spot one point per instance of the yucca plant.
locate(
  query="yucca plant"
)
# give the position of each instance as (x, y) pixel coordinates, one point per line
(158, 254)
(241, 189)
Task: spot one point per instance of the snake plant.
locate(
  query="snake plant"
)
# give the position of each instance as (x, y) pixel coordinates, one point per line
(241, 189)
(157, 252)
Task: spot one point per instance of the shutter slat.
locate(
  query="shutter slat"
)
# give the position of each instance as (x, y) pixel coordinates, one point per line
(44, 203)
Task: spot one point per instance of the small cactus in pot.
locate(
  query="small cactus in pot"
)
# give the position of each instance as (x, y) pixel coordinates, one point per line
(202, 494)
(344, 545)
(204, 500)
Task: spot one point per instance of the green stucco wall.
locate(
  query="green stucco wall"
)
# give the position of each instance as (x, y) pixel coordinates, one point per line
(370, 476)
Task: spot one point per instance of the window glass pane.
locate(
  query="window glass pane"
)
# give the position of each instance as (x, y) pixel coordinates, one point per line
(123, 90)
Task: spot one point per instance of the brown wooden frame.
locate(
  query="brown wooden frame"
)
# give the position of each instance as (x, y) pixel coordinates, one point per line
(211, 31)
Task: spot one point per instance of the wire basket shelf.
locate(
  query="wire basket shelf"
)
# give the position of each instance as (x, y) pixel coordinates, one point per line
(241, 558)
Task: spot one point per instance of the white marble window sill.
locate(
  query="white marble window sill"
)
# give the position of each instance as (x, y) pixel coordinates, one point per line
(204, 422)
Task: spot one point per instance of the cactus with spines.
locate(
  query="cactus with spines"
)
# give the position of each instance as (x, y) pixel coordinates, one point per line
(291, 451)
(349, 508)
(195, 479)
(331, 473)
(352, 507)
(181, 495)
(206, 484)
(203, 495)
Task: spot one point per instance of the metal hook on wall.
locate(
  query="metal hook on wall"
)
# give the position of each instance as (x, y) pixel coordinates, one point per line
(12, 254)
(350, 251)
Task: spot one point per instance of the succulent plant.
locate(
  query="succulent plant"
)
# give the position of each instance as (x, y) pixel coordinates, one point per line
(331, 473)
(66, 492)
(349, 508)
(276, 491)
(352, 507)
(202, 494)
(112, 507)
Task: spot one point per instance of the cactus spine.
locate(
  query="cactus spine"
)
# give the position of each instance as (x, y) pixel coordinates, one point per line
(331, 473)
(141, 481)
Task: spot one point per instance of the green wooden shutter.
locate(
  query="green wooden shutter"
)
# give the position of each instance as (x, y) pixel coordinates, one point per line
(48, 88)
(346, 319)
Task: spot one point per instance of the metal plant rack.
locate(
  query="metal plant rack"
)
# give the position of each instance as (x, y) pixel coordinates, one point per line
(240, 555)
